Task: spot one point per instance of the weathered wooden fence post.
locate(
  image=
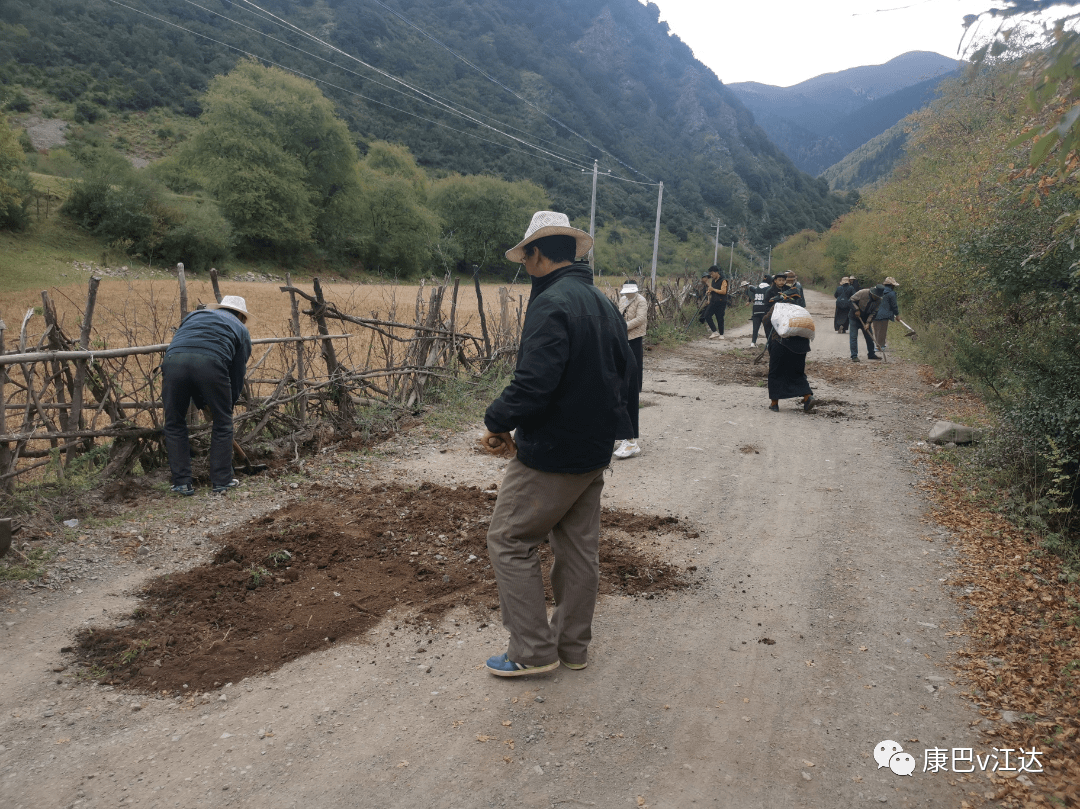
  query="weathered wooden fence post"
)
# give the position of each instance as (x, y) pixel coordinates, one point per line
(214, 284)
(301, 384)
(6, 484)
(453, 322)
(504, 317)
(81, 365)
(54, 343)
(329, 354)
(183, 290)
(480, 306)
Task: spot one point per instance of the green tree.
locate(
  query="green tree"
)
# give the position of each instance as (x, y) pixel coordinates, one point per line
(280, 163)
(15, 185)
(397, 229)
(484, 216)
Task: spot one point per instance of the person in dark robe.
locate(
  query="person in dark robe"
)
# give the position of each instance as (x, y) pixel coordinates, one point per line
(787, 355)
(843, 306)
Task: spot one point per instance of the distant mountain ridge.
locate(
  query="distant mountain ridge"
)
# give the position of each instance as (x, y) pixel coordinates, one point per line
(819, 121)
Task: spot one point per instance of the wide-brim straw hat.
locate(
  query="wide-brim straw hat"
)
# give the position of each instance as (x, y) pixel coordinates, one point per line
(550, 223)
(890, 282)
(233, 302)
(628, 289)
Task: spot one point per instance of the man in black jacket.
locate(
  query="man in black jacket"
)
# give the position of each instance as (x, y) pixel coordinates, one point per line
(205, 364)
(567, 402)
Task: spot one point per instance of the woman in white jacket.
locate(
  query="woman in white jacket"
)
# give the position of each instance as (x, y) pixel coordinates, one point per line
(635, 310)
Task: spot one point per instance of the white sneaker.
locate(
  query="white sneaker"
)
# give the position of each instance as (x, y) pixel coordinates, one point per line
(633, 449)
(722, 337)
(753, 344)
(621, 449)
(714, 335)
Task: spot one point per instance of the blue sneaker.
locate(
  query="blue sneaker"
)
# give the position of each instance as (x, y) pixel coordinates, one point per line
(187, 490)
(232, 484)
(503, 666)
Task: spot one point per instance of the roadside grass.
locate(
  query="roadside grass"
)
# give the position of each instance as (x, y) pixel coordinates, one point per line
(24, 565)
(460, 401)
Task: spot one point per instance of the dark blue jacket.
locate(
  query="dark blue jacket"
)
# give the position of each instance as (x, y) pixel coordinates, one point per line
(572, 380)
(889, 309)
(219, 334)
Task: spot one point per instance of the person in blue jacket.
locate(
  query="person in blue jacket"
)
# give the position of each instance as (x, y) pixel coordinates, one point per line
(888, 310)
(205, 363)
(567, 403)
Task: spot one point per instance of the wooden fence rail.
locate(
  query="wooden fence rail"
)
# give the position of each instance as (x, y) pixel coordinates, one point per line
(61, 399)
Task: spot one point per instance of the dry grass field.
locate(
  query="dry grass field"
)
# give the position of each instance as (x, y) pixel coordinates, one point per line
(144, 312)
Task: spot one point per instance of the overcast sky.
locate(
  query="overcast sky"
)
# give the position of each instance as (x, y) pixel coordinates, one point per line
(784, 42)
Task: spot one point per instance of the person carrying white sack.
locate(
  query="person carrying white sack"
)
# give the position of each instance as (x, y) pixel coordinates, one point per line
(635, 310)
(789, 344)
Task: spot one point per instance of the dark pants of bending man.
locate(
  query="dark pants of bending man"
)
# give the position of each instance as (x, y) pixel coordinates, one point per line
(855, 328)
(204, 380)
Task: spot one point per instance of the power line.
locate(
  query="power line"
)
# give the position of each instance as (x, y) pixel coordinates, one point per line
(422, 93)
(491, 78)
(433, 98)
(552, 157)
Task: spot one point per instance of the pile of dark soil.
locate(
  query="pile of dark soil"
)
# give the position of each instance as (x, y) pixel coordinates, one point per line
(326, 568)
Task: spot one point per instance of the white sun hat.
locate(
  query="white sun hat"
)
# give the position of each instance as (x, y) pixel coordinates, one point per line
(550, 223)
(628, 288)
(233, 302)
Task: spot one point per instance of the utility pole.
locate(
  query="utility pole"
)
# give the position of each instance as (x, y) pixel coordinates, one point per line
(770, 259)
(592, 217)
(716, 243)
(656, 235)
(731, 258)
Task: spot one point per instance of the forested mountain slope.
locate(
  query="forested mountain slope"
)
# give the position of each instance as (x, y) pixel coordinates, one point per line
(819, 121)
(570, 80)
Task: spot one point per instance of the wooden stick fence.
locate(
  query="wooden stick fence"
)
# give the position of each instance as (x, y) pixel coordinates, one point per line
(61, 399)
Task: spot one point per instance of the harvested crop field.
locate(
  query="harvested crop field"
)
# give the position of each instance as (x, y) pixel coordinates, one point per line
(326, 568)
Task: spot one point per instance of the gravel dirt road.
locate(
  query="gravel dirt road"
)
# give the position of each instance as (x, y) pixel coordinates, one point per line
(819, 625)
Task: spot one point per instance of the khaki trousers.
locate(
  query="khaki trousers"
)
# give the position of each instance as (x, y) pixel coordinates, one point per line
(533, 506)
(881, 329)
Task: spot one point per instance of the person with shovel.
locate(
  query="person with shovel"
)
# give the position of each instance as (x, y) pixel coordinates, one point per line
(864, 306)
(566, 405)
(205, 363)
(888, 310)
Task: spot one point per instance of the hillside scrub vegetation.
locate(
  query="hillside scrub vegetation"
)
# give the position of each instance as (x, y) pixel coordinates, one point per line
(983, 245)
(271, 173)
(518, 94)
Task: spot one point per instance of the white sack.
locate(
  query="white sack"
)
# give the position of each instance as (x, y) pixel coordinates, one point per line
(790, 320)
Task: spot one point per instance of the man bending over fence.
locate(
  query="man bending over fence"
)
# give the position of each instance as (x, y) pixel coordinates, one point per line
(205, 364)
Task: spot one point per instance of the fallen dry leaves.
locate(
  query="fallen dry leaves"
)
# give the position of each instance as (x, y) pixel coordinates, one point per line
(1023, 653)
